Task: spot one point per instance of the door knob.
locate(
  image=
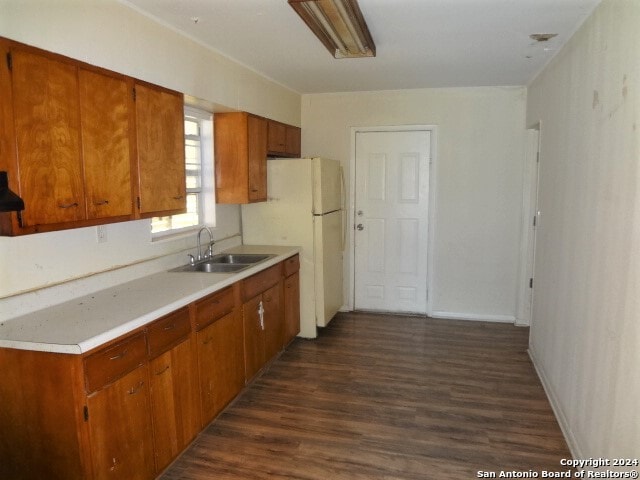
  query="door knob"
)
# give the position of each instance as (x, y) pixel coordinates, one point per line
(360, 226)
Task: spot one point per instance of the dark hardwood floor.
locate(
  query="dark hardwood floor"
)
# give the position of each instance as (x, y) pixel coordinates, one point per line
(386, 397)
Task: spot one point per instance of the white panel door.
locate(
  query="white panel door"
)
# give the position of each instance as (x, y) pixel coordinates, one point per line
(391, 216)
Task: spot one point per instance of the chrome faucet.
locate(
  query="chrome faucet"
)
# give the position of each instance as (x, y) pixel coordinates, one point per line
(209, 251)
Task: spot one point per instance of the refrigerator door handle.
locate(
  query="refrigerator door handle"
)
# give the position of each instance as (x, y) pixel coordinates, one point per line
(343, 194)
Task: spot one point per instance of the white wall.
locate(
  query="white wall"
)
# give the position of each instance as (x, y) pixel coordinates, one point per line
(585, 334)
(112, 35)
(478, 177)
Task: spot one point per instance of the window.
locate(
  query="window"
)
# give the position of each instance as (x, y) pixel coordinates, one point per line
(198, 154)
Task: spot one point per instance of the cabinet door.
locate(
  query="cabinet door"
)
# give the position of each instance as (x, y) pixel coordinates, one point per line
(253, 337)
(120, 429)
(277, 140)
(273, 321)
(293, 140)
(160, 143)
(105, 112)
(47, 125)
(174, 402)
(220, 364)
(257, 149)
(291, 307)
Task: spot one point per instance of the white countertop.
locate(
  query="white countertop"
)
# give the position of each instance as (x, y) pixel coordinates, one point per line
(84, 323)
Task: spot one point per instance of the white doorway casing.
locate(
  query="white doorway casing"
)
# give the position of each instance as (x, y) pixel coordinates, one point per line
(352, 218)
(530, 221)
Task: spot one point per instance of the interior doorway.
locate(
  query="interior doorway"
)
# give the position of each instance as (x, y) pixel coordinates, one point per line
(530, 222)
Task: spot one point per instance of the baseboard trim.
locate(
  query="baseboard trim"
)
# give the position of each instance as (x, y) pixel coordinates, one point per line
(570, 438)
(473, 316)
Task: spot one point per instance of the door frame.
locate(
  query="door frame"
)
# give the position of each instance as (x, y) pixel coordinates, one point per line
(351, 213)
(530, 183)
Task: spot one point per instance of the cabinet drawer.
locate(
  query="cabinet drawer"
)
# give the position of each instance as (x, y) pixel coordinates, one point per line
(291, 265)
(167, 331)
(258, 283)
(213, 307)
(107, 365)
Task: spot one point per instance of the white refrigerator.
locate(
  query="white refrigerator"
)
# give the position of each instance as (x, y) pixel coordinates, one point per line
(305, 208)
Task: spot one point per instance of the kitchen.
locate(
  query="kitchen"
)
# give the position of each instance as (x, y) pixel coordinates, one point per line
(596, 317)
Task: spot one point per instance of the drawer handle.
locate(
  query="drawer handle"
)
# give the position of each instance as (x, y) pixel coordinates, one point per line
(163, 370)
(170, 327)
(68, 205)
(178, 197)
(254, 190)
(137, 388)
(101, 202)
(119, 356)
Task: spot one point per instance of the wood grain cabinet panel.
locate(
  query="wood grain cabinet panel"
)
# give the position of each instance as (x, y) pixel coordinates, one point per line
(168, 331)
(120, 429)
(105, 110)
(241, 157)
(261, 281)
(110, 363)
(291, 307)
(174, 402)
(254, 355)
(174, 388)
(283, 140)
(213, 307)
(84, 145)
(47, 128)
(273, 321)
(220, 364)
(263, 318)
(277, 143)
(160, 145)
(294, 141)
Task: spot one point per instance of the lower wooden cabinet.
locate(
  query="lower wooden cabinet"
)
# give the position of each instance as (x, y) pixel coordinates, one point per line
(221, 364)
(127, 409)
(291, 307)
(120, 429)
(263, 328)
(174, 402)
(254, 356)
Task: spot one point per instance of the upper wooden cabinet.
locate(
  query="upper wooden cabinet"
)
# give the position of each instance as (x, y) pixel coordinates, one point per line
(283, 140)
(47, 129)
(240, 141)
(82, 145)
(160, 142)
(105, 113)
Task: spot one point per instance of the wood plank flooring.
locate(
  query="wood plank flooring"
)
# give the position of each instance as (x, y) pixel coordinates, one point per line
(386, 397)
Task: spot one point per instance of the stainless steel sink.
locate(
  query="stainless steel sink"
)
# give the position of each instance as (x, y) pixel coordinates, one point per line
(225, 263)
(234, 258)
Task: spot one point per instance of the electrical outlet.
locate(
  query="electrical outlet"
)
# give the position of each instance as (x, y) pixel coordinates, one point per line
(101, 232)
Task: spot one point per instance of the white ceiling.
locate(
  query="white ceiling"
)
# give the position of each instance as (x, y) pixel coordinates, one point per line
(420, 43)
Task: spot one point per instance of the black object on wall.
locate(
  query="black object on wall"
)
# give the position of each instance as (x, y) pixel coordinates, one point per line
(9, 201)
